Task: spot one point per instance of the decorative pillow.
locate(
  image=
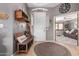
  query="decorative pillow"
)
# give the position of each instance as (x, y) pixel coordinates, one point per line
(67, 31)
(71, 31)
(21, 39)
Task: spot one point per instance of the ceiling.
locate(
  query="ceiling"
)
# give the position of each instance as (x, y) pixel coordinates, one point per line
(42, 4)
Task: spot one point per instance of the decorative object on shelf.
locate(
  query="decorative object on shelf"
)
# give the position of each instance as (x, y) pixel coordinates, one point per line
(21, 16)
(3, 15)
(64, 8)
(23, 25)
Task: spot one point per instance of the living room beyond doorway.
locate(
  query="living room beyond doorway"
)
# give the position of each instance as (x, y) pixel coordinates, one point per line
(66, 28)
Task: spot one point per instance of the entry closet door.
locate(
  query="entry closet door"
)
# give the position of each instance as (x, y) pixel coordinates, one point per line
(39, 26)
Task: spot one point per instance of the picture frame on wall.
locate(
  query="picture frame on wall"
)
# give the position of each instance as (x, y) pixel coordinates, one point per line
(3, 15)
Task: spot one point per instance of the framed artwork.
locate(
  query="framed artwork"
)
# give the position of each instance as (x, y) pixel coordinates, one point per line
(3, 15)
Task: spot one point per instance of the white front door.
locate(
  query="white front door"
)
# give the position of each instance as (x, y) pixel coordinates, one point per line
(39, 26)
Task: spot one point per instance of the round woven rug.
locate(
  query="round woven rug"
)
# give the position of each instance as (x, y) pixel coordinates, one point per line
(51, 49)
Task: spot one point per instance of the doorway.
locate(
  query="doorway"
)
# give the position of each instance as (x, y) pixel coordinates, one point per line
(66, 29)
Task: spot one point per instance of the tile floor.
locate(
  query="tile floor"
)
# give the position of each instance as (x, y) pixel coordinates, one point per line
(72, 48)
(66, 40)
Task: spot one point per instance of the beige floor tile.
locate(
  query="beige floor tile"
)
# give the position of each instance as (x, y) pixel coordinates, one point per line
(72, 48)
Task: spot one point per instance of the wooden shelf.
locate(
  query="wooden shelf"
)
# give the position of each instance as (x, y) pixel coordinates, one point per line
(21, 16)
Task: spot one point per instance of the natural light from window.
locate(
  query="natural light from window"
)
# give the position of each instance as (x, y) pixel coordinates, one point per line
(59, 26)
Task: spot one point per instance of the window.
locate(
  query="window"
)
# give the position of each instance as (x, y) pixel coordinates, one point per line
(56, 26)
(59, 26)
